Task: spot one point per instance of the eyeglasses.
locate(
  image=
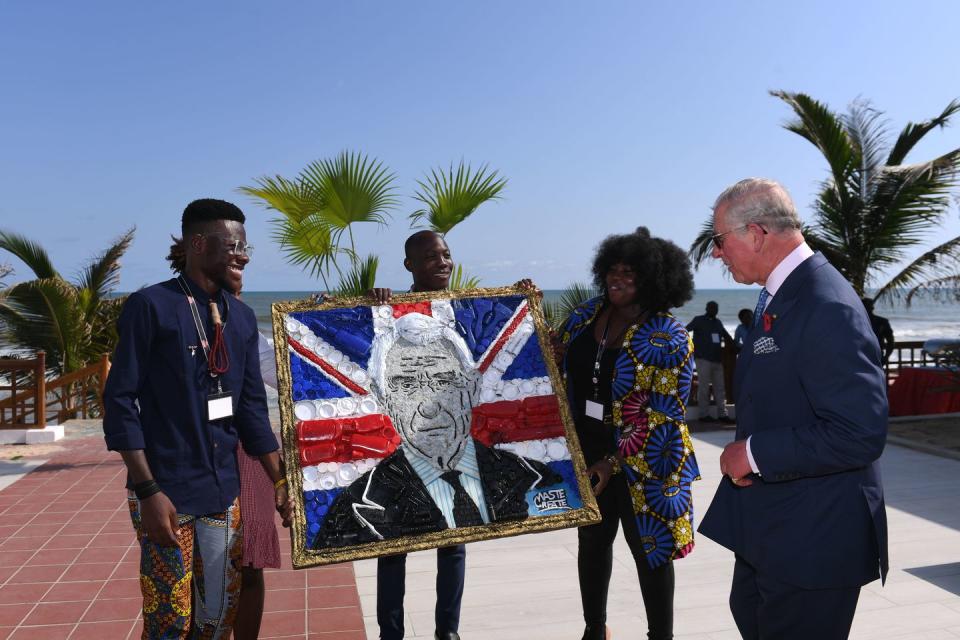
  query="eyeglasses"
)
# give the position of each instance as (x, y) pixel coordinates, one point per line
(235, 248)
(717, 238)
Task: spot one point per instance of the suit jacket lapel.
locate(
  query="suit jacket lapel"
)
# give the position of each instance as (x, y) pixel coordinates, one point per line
(779, 307)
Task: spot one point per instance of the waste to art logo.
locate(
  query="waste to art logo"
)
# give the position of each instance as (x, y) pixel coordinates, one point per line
(551, 500)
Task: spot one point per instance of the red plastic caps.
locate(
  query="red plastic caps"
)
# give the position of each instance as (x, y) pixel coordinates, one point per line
(346, 439)
(404, 308)
(532, 418)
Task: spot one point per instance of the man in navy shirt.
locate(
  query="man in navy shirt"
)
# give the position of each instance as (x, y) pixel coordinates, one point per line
(184, 386)
(708, 332)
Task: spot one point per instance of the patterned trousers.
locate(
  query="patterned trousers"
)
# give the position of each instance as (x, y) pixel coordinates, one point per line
(190, 591)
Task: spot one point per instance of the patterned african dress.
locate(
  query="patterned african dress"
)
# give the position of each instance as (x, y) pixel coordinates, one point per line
(650, 389)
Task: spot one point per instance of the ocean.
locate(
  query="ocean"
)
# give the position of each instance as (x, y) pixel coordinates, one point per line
(921, 321)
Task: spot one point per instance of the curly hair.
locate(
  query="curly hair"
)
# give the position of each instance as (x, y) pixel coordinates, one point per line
(663, 276)
(178, 255)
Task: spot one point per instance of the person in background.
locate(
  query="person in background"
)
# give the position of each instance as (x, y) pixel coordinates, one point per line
(882, 329)
(709, 335)
(740, 333)
(261, 544)
(628, 367)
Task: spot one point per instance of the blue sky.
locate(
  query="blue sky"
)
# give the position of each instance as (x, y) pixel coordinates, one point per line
(603, 116)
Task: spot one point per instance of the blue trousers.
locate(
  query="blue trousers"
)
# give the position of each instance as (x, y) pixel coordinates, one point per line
(391, 586)
(766, 609)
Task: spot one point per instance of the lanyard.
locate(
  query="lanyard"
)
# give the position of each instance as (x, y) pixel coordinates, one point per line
(600, 349)
(195, 312)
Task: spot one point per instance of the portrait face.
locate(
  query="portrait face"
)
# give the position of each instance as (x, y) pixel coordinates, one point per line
(431, 264)
(430, 397)
(224, 254)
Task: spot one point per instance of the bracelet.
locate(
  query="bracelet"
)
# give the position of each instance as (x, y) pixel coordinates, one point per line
(614, 464)
(279, 483)
(146, 489)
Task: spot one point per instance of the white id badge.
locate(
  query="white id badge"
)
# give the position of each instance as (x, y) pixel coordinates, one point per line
(219, 405)
(594, 410)
(716, 338)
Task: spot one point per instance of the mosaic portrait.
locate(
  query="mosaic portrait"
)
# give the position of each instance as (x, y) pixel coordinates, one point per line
(435, 420)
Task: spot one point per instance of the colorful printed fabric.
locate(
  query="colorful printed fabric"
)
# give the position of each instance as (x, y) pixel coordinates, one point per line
(650, 389)
(190, 591)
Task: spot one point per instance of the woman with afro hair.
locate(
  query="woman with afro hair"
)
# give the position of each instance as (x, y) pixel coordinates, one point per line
(628, 365)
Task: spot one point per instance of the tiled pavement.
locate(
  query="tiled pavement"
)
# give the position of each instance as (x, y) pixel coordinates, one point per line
(68, 567)
(69, 562)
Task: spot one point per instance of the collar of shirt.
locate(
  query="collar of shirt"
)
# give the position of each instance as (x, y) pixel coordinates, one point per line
(428, 472)
(779, 274)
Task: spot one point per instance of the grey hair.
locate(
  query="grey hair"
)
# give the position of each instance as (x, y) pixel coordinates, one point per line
(759, 201)
(421, 330)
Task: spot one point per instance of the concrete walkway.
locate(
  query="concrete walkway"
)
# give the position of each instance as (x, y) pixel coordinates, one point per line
(526, 587)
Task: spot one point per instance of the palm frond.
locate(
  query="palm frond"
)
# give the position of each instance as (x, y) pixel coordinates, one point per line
(102, 275)
(914, 132)
(28, 252)
(352, 188)
(460, 280)
(702, 246)
(556, 313)
(945, 289)
(293, 198)
(824, 129)
(451, 196)
(44, 315)
(306, 243)
(360, 278)
(937, 265)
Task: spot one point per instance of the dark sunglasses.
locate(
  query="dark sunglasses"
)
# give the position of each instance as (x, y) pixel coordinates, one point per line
(717, 238)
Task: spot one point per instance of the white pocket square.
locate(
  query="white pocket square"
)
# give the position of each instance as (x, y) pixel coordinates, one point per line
(765, 344)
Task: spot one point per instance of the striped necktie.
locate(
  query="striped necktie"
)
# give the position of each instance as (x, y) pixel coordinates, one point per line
(761, 305)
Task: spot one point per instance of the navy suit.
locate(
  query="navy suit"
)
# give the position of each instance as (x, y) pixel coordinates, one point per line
(811, 393)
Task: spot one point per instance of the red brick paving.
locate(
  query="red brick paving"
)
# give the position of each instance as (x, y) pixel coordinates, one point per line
(69, 562)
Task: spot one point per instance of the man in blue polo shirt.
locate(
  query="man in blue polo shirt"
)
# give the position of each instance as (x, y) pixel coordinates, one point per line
(184, 386)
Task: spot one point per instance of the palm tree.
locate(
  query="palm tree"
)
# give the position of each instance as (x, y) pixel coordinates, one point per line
(321, 204)
(74, 323)
(873, 208)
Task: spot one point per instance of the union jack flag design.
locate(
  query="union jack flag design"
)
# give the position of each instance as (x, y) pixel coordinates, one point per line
(343, 431)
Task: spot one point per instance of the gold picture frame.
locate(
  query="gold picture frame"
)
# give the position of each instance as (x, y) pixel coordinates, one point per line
(303, 555)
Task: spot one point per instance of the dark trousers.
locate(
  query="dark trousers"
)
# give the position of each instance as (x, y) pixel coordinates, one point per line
(767, 609)
(391, 586)
(595, 562)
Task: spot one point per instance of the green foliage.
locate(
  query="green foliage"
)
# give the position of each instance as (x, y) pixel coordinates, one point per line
(319, 207)
(451, 196)
(360, 279)
(322, 204)
(74, 323)
(459, 279)
(556, 313)
(873, 211)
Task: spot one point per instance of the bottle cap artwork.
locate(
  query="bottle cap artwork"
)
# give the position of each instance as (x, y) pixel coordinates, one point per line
(435, 420)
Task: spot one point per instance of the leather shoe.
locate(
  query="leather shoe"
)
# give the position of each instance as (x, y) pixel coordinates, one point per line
(446, 635)
(596, 632)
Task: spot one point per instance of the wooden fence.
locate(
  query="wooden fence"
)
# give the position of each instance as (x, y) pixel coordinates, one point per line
(30, 400)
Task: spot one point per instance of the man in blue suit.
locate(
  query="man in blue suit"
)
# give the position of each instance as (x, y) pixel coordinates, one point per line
(801, 505)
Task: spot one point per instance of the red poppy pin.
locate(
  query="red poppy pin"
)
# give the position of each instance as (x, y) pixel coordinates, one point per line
(768, 319)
